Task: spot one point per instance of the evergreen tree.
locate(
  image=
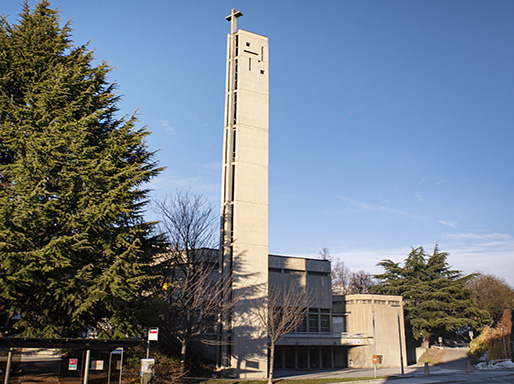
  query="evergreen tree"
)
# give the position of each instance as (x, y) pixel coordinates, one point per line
(437, 301)
(74, 250)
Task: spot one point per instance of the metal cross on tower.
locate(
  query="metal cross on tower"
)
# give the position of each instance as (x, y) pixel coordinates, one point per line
(233, 20)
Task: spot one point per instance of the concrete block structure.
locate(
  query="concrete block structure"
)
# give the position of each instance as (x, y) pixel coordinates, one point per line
(380, 318)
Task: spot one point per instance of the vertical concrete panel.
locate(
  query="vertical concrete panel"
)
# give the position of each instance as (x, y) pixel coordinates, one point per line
(387, 310)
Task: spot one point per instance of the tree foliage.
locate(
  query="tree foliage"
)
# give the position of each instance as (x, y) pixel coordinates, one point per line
(437, 301)
(494, 342)
(74, 249)
(492, 294)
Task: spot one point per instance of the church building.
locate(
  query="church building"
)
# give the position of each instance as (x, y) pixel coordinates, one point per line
(340, 331)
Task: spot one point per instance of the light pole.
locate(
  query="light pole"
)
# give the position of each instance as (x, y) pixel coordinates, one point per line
(374, 338)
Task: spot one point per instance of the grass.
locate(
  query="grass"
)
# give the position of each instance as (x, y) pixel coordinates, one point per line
(280, 381)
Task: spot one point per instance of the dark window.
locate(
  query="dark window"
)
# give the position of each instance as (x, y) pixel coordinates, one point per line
(302, 357)
(289, 357)
(314, 357)
(325, 323)
(317, 273)
(313, 323)
(294, 271)
(302, 328)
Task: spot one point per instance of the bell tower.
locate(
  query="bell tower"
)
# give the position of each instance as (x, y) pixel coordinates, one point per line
(244, 200)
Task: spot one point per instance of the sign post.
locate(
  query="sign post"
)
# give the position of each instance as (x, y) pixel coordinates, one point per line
(147, 365)
(153, 335)
(117, 351)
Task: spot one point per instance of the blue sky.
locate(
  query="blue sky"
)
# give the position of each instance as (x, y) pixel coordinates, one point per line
(391, 122)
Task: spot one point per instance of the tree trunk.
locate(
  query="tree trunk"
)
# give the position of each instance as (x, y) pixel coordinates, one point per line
(183, 358)
(271, 362)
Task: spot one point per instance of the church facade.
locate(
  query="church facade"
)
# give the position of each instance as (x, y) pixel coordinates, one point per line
(338, 331)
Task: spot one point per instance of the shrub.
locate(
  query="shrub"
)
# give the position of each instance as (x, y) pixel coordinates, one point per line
(490, 341)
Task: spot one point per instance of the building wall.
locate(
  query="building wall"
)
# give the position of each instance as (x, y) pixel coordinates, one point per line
(387, 312)
(311, 274)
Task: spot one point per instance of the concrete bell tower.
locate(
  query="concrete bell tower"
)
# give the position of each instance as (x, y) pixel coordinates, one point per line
(244, 200)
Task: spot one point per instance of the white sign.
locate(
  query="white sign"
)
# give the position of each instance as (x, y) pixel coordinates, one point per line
(147, 366)
(153, 334)
(97, 365)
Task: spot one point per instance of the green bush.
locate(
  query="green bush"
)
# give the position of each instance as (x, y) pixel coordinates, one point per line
(167, 368)
(478, 346)
(491, 341)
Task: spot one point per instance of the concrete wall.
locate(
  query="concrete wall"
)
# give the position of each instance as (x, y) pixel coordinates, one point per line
(313, 274)
(387, 312)
(245, 201)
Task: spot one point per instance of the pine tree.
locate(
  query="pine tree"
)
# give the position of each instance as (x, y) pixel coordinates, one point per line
(437, 301)
(74, 249)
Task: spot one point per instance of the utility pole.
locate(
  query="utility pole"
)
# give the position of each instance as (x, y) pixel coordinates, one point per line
(375, 357)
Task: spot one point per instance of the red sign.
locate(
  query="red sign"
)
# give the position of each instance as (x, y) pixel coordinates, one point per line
(72, 364)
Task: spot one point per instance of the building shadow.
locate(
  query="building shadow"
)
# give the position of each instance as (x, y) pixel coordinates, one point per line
(454, 363)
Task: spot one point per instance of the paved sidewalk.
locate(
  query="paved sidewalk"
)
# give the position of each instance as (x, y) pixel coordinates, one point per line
(452, 370)
(412, 375)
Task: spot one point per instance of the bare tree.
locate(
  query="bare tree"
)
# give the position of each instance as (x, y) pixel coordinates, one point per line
(194, 290)
(189, 226)
(346, 282)
(361, 282)
(325, 254)
(281, 312)
(492, 294)
(193, 303)
(341, 278)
